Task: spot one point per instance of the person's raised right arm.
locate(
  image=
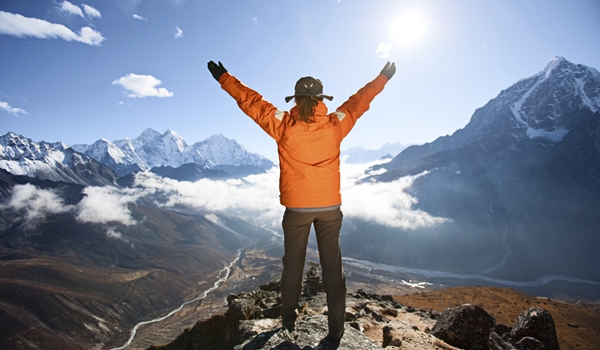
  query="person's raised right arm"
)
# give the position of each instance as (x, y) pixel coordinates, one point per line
(265, 114)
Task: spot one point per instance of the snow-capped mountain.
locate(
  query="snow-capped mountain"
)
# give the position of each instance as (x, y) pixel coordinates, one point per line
(520, 185)
(112, 156)
(543, 108)
(152, 149)
(360, 155)
(51, 161)
(544, 105)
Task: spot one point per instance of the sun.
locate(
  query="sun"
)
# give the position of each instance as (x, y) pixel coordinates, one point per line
(409, 28)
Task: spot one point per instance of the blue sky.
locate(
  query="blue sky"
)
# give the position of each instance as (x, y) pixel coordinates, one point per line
(79, 71)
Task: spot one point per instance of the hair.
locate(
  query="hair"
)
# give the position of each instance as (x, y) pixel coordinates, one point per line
(306, 107)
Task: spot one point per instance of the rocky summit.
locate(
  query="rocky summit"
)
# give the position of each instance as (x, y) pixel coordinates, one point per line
(373, 321)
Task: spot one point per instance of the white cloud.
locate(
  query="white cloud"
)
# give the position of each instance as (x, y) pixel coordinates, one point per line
(111, 232)
(254, 198)
(142, 86)
(383, 50)
(36, 202)
(69, 8)
(91, 11)
(177, 32)
(12, 110)
(138, 17)
(257, 198)
(20, 26)
(386, 203)
(107, 204)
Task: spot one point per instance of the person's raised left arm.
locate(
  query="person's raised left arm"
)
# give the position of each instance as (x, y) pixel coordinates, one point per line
(349, 112)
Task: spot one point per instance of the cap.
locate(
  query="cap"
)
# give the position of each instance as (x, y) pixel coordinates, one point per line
(308, 86)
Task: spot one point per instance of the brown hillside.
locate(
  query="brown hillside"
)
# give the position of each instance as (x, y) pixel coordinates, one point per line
(577, 327)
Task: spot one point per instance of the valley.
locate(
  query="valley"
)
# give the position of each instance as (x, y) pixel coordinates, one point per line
(577, 321)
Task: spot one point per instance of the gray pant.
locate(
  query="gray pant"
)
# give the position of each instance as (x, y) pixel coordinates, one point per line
(296, 229)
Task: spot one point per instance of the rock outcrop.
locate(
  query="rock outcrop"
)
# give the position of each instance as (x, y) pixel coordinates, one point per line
(373, 321)
(470, 327)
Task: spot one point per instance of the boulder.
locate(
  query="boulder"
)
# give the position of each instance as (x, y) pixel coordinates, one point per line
(465, 326)
(538, 324)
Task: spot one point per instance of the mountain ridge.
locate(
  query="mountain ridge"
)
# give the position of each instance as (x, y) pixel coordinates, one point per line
(152, 149)
(520, 203)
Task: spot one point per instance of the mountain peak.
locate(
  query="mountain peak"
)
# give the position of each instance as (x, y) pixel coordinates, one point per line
(217, 137)
(555, 62)
(149, 133)
(171, 132)
(523, 109)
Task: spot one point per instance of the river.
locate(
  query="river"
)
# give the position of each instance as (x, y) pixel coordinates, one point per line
(221, 277)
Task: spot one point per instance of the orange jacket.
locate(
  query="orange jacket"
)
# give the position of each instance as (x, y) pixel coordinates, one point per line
(309, 153)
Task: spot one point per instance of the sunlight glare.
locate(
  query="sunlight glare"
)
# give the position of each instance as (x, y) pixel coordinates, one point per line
(409, 28)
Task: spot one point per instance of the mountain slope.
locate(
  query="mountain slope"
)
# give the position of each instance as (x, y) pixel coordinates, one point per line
(65, 283)
(51, 161)
(520, 183)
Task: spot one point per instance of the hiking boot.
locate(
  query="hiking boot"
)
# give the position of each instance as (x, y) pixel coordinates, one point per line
(328, 343)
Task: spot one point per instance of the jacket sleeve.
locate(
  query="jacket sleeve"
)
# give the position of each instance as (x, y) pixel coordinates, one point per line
(349, 112)
(265, 114)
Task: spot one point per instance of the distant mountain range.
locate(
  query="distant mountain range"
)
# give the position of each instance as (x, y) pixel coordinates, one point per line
(360, 155)
(102, 162)
(152, 149)
(520, 184)
(51, 161)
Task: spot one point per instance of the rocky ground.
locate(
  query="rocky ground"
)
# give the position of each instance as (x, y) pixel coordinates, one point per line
(515, 321)
(577, 323)
(239, 316)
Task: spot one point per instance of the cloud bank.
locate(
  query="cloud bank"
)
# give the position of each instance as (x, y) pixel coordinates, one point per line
(257, 197)
(20, 26)
(386, 203)
(254, 198)
(103, 205)
(142, 86)
(36, 203)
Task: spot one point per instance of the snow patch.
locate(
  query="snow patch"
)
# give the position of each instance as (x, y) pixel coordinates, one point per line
(554, 135)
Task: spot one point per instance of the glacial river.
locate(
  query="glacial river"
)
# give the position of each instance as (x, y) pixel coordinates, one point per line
(430, 274)
(222, 276)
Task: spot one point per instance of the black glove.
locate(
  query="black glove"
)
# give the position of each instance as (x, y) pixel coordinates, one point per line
(389, 70)
(216, 70)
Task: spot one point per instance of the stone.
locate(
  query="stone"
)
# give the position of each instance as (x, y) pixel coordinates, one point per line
(529, 343)
(309, 334)
(465, 326)
(536, 323)
(496, 342)
(389, 339)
